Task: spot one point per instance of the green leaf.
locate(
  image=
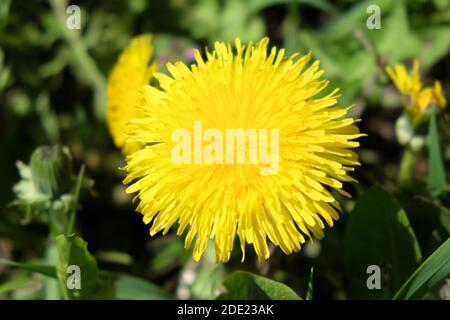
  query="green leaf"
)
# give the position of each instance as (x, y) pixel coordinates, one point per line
(437, 181)
(4, 11)
(309, 292)
(245, 285)
(257, 5)
(346, 23)
(396, 28)
(17, 283)
(379, 233)
(115, 257)
(44, 269)
(437, 44)
(128, 287)
(445, 219)
(112, 285)
(167, 251)
(424, 217)
(72, 251)
(348, 63)
(222, 20)
(434, 271)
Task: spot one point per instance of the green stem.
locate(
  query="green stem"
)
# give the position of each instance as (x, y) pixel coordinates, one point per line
(406, 169)
(51, 286)
(73, 209)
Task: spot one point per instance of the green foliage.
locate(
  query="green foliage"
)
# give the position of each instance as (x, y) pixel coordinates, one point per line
(427, 218)
(309, 292)
(221, 20)
(245, 285)
(46, 270)
(201, 280)
(128, 287)
(95, 283)
(437, 180)
(17, 283)
(72, 251)
(379, 233)
(354, 56)
(434, 271)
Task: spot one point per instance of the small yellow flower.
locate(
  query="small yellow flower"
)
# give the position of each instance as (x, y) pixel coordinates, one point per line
(242, 87)
(438, 95)
(130, 73)
(405, 82)
(418, 99)
(422, 100)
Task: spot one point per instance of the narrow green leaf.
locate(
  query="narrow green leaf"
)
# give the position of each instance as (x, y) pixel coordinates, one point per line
(245, 285)
(379, 233)
(437, 180)
(73, 209)
(430, 274)
(309, 292)
(17, 283)
(44, 269)
(445, 219)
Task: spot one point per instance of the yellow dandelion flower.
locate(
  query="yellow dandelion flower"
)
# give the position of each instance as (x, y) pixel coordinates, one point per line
(426, 98)
(418, 98)
(438, 94)
(422, 100)
(405, 82)
(130, 73)
(209, 195)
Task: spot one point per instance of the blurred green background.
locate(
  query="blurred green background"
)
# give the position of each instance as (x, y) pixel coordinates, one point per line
(52, 90)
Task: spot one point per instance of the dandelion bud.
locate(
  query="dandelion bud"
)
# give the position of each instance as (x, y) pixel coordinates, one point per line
(51, 170)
